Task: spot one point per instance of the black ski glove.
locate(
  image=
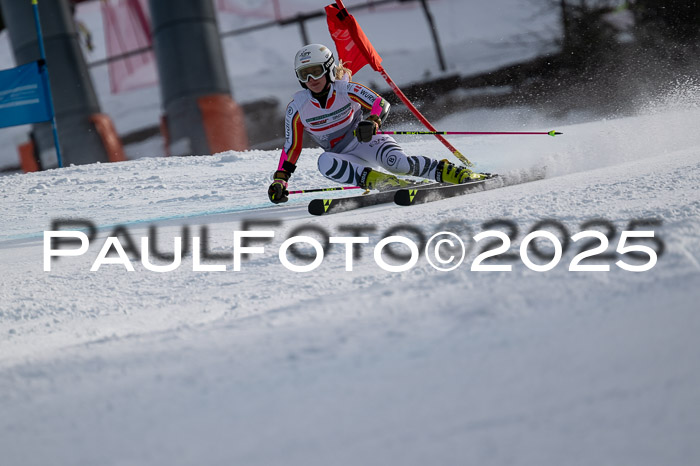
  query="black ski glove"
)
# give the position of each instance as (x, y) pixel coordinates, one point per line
(368, 128)
(277, 192)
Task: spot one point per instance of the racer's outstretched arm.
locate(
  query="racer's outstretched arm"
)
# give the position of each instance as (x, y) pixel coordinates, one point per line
(293, 135)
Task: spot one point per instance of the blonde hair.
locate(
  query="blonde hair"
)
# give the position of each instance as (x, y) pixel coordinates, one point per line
(341, 71)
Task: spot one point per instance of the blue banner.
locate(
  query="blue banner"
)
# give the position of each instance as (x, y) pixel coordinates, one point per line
(24, 95)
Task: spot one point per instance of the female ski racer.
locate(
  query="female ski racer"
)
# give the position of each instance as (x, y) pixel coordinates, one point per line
(330, 110)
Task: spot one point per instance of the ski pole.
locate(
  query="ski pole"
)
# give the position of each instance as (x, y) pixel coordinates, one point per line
(550, 133)
(318, 190)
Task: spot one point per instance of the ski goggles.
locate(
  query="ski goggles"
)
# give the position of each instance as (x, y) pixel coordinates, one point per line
(311, 71)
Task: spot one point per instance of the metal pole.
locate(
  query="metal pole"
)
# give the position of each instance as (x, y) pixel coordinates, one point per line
(302, 28)
(201, 116)
(44, 69)
(433, 32)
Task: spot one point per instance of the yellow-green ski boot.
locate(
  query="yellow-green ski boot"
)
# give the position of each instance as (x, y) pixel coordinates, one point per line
(453, 174)
(373, 179)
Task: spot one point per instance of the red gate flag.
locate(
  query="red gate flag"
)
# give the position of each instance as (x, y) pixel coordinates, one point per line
(353, 46)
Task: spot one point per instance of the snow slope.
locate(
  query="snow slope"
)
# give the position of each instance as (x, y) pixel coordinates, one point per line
(265, 366)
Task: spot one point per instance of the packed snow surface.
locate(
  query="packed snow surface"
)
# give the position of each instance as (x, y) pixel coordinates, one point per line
(269, 366)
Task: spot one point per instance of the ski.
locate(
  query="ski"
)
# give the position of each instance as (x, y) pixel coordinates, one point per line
(336, 205)
(421, 194)
(407, 197)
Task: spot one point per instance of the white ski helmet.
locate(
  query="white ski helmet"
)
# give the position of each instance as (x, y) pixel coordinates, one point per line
(314, 60)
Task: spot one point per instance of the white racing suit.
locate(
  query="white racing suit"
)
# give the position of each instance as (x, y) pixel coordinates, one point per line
(345, 158)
